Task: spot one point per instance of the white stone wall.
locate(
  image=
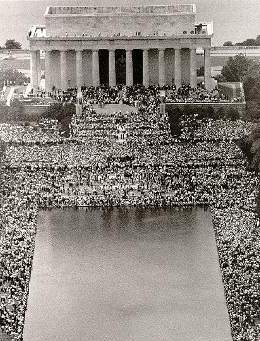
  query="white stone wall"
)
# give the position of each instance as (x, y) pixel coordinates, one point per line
(125, 25)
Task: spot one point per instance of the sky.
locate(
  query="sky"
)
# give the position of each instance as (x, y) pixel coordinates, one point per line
(234, 20)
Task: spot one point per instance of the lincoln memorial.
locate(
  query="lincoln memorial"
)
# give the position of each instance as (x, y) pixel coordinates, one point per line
(90, 46)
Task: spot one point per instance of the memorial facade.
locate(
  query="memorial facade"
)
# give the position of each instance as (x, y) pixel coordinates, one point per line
(149, 45)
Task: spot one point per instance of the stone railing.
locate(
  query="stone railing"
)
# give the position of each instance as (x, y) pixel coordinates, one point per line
(234, 47)
(81, 10)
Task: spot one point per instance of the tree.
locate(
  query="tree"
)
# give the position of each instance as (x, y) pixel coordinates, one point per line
(4, 113)
(11, 75)
(14, 113)
(252, 111)
(252, 82)
(220, 78)
(245, 144)
(254, 94)
(250, 146)
(11, 44)
(236, 68)
(257, 40)
(247, 42)
(228, 43)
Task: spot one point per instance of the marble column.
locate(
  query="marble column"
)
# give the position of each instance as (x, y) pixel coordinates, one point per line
(207, 69)
(48, 85)
(79, 71)
(38, 62)
(112, 68)
(129, 67)
(161, 68)
(63, 70)
(33, 70)
(177, 68)
(145, 68)
(193, 68)
(95, 68)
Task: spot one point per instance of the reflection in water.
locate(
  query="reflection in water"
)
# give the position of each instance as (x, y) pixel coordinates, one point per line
(126, 274)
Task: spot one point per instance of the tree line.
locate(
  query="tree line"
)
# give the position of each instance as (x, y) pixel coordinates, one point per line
(247, 42)
(243, 69)
(11, 44)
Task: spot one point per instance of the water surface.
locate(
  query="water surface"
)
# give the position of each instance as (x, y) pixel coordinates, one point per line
(126, 275)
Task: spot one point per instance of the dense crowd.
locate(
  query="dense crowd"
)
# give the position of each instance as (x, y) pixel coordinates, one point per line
(47, 131)
(129, 158)
(186, 94)
(237, 236)
(137, 93)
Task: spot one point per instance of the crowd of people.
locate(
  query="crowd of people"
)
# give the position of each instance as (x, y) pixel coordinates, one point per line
(132, 94)
(186, 94)
(237, 236)
(129, 158)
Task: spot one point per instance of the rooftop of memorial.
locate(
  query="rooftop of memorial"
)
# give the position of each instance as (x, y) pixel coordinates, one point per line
(158, 25)
(120, 10)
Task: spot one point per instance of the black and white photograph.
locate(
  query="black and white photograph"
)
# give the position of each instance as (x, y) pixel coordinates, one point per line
(129, 170)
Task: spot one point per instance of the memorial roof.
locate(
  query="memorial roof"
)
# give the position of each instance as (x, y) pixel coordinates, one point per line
(121, 10)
